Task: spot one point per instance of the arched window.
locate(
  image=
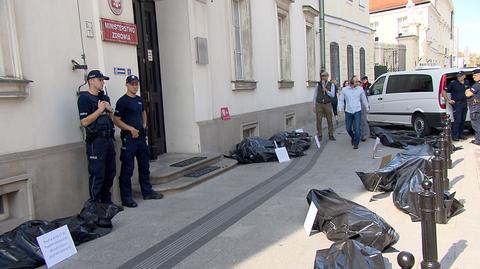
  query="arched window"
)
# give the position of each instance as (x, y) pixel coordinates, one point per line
(334, 61)
(362, 62)
(350, 68)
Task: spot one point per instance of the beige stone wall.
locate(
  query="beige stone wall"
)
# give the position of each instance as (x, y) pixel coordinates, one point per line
(347, 23)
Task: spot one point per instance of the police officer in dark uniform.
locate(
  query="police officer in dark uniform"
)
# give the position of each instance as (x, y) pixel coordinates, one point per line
(458, 100)
(130, 116)
(95, 115)
(473, 95)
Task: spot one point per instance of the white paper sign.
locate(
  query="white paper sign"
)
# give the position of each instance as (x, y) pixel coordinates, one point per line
(56, 245)
(375, 147)
(299, 131)
(282, 155)
(317, 141)
(310, 218)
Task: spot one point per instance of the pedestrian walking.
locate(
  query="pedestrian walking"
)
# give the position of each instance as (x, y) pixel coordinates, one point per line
(353, 98)
(473, 95)
(365, 127)
(131, 118)
(322, 100)
(366, 84)
(335, 100)
(96, 116)
(458, 101)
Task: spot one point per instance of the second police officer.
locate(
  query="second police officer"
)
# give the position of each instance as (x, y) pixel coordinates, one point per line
(131, 118)
(473, 95)
(458, 101)
(95, 115)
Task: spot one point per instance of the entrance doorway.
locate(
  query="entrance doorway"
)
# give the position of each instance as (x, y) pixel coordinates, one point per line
(149, 73)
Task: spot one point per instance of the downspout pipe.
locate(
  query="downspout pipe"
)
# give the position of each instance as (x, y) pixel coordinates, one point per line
(321, 7)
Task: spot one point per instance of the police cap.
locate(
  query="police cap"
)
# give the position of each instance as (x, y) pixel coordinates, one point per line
(131, 78)
(96, 74)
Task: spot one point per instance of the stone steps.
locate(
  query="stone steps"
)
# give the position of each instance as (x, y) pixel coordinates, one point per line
(166, 178)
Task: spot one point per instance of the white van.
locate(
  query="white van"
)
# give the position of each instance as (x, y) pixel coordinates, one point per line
(413, 98)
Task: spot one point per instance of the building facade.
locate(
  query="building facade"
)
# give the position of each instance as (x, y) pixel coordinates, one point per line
(348, 39)
(262, 64)
(196, 59)
(424, 28)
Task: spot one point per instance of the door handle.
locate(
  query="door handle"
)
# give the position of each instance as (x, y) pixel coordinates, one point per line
(380, 99)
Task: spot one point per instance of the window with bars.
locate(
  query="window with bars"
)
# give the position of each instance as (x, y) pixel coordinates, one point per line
(335, 61)
(350, 68)
(362, 62)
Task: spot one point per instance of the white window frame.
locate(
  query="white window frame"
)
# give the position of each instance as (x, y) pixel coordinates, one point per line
(310, 46)
(12, 82)
(402, 25)
(9, 54)
(310, 13)
(284, 43)
(242, 50)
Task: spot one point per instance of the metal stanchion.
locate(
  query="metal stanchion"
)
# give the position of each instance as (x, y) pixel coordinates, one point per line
(405, 260)
(443, 155)
(440, 209)
(429, 229)
(447, 129)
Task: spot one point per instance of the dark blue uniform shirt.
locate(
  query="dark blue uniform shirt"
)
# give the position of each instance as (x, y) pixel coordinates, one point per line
(130, 110)
(457, 90)
(87, 104)
(475, 107)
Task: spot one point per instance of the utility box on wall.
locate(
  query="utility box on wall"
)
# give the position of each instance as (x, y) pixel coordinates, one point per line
(202, 50)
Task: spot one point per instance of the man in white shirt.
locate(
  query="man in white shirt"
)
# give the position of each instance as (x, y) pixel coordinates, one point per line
(353, 98)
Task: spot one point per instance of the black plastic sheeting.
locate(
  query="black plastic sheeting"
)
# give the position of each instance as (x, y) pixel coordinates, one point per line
(399, 140)
(385, 178)
(403, 176)
(19, 247)
(342, 219)
(296, 143)
(349, 254)
(404, 138)
(256, 149)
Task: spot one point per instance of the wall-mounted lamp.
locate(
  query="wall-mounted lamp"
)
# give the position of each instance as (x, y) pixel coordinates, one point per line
(76, 66)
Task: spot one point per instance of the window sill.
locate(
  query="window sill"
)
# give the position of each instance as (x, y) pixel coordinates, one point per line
(13, 87)
(241, 85)
(311, 83)
(286, 84)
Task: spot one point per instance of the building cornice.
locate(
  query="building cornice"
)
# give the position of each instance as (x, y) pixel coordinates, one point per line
(347, 23)
(284, 4)
(310, 11)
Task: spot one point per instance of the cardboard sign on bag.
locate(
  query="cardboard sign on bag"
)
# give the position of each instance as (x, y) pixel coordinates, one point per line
(56, 245)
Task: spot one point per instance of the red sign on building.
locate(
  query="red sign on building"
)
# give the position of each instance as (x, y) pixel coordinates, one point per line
(119, 32)
(224, 113)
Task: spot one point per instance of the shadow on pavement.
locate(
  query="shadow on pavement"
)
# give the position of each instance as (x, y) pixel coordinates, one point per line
(452, 254)
(456, 180)
(455, 163)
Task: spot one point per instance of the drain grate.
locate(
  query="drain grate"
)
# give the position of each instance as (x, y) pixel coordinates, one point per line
(188, 161)
(202, 171)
